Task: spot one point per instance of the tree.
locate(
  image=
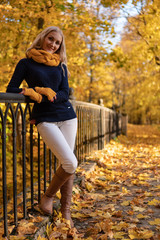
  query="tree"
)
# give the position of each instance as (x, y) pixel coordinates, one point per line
(139, 47)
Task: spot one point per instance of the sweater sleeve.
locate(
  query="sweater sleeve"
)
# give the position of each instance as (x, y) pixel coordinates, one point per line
(17, 78)
(63, 92)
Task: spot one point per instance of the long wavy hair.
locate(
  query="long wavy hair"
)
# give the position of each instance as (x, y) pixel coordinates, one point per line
(38, 43)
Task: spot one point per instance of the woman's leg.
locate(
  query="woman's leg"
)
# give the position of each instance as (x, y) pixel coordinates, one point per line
(59, 178)
(69, 130)
(55, 140)
(66, 199)
(54, 136)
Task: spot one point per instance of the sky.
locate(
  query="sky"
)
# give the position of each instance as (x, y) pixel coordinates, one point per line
(128, 10)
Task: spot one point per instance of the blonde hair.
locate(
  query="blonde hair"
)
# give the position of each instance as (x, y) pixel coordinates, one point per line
(38, 42)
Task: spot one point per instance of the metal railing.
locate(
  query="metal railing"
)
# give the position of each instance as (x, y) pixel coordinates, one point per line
(27, 163)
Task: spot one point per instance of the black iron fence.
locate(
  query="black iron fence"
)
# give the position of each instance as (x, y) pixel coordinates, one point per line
(27, 163)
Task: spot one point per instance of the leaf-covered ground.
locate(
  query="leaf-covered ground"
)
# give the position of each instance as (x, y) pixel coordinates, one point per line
(120, 197)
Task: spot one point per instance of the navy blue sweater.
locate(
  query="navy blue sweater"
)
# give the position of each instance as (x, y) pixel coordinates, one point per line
(40, 75)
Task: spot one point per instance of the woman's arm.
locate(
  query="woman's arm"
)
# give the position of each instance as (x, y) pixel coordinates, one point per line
(63, 94)
(17, 78)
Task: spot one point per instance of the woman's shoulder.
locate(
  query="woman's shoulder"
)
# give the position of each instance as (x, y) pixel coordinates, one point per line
(23, 61)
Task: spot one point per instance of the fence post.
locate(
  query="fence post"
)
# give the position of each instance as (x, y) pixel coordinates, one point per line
(101, 137)
(124, 124)
(117, 124)
(110, 126)
(101, 129)
(4, 175)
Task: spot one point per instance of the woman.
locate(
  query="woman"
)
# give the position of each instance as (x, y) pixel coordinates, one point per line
(45, 71)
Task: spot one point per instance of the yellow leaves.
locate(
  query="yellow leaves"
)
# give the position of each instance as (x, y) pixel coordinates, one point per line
(26, 227)
(104, 226)
(119, 235)
(123, 174)
(79, 215)
(134, 52)
(60, 229)
(6, 7)
(41, 238)
(154, 202)
(49, 229)
(124, 190)
(35, 219)
(89, 186)
(125, 203)
(138, 209)
(141, 216)
(96, 196)
(148, 194)
(120, 226)
(99, 213)
(104, 237)
(117, 214)
(155, 222)
(140, 234)
(143, 176)
(58, 194)
(15, 238)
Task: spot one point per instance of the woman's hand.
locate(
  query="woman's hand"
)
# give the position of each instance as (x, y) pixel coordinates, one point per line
(32, 94)
(51, 95)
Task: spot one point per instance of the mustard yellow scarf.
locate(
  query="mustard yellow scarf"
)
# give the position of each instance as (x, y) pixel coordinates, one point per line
(44, 57)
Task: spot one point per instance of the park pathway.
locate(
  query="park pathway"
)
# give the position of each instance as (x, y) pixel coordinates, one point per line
(120, 198)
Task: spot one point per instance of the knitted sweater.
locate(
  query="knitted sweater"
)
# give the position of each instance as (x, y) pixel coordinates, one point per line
(38, 74)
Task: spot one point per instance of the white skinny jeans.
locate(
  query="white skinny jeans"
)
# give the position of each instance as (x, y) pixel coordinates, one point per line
(60, 138)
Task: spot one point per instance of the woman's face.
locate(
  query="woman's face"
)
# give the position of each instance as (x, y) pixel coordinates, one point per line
(52, 42)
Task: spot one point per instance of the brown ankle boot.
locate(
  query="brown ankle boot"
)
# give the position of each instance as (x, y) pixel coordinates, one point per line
(60, 177)
(66, 197)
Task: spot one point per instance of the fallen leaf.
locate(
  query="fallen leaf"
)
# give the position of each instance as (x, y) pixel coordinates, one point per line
(140, 234)
(155, 222)
(138, 209)
(154, 202)
(125, 203)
